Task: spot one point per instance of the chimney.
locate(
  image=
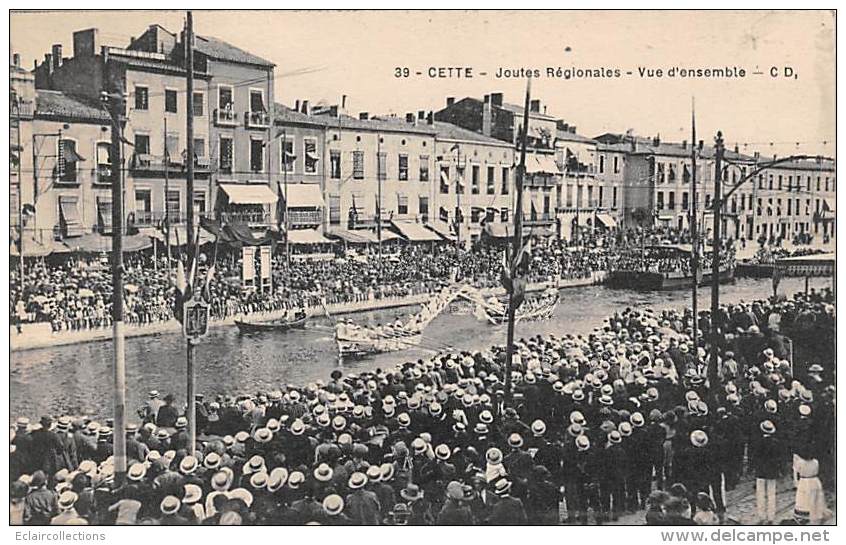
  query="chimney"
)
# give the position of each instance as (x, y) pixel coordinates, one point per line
(409, 118)
(534, 105)
(421, 115)
(684, 144)
(86, 43)
(736, 148)
(57, 56)
(657, 140)
(757, 156)
(487, 99)
(701, 145)
(544, 109)
(364, 116)
(343, 102)
(304, 107)
(565, 127)
(333, 110)
(633, 142)
(487, 117)
(450, 101)
(430, 118)
(496, 99)
(297, 105)
(48, 62)
(16, 59)
(572, 129)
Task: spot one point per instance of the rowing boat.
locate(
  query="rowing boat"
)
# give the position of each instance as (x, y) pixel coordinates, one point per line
(272, 325)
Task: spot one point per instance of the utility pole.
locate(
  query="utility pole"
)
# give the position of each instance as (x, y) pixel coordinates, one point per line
(379, 196)
(459, 187)
(117, 107)
(19, 150)
(716, 327)
(285, 184)
(694, 220)
(189, 184)
(517, 242)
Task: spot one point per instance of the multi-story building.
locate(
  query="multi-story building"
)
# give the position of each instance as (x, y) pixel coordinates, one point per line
(495, 118)
(474, 185)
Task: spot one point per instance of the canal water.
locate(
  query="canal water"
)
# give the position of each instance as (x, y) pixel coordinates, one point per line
(77, 379)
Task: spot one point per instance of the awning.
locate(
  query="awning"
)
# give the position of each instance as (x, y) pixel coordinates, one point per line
(441, 228)
(607, 220)
(249, 193)
(70, 217)
(541, 164)
(178, 235)
(104, 214)
(97, 243)
(303, 196)
(363, 236)
(34, 248)
(307, 236)
(827, 207)
(415, 232)
(506, 230)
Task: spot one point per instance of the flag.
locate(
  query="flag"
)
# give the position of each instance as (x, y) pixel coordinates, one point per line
(181, 283)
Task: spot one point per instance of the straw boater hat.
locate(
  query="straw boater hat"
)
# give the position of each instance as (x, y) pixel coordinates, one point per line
(502, 486)
(493, 456)
(67, 500)
(387, 470)
(241, 437)
(374, 474)
(222, 480)
(254, 465)
(277, 479)
(615, 437)
(212, 460)
(170, 505)
(486, 417)
(297, 427)
(442, 452)
(538, 428)
(576, 417)
(411, 492)
(698, 438)
(259, 480)
(193, 494)
(323, 473)
(333, 504)
(768, 427)
(295, 480)
(357, 480)
(188, 465)
(136, 472)
(515, 440)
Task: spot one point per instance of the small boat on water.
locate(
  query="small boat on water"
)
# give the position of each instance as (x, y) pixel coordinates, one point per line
(271, 325)
(537, 309)
(643, 269)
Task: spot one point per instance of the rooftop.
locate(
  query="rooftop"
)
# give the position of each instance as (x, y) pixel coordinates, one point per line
(60, 106)
(448, 131)
(217, 49)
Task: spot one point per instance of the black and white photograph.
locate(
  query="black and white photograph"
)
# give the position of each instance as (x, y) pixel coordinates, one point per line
(422, 268)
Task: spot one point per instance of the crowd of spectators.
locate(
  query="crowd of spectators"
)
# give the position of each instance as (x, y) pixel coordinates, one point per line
(625, 419)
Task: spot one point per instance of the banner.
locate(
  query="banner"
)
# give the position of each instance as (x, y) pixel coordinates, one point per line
(265, 262)
(248, 269)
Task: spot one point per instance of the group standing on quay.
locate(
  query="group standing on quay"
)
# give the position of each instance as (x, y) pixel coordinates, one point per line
(625, 419)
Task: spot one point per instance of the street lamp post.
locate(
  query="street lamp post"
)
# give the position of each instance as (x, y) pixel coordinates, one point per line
(716, 247)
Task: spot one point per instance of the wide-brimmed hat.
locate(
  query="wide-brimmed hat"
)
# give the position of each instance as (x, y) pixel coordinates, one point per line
(357, 480)
(188, 465)
(333, 504)
(297, 427)
(212, 460)
(404, 420)
(193, 493)
(387, 470)
(295, 479)
(323, 473)
(493, 456)
(515, 440)
(411, 492)
(136, 472)
(442, 452)
(576, 417)
(768, 427)
(615, 437)
(374, 474)
(502, 486)
(181, 423)
(698, 438)
(170, 505)
(222, 480)
(253, 465)
(258, 480)
(486, 417)
(67, 499)
(277, 479)
(538, 428)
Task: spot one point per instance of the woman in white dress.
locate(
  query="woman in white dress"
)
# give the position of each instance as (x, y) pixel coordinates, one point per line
(810, 500)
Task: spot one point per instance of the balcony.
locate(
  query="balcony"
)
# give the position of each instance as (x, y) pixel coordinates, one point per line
(148, 218)
(103, 175)
(147, 163)
(250, 218)
(257, 120)
(226, 117)
(302, 218)
(541, 220)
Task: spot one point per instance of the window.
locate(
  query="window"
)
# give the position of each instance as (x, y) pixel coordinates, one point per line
(760, 210)
(199, 203)
(789, 207)
(142, 144)
(602, 164)
(672, 200)
(143, 201)
(569, 199)
(170, 101)
(256, 100)
(66, 161)
(778, 207)
(226, 155)
(459, 184)
(288, 156)
(503, 215)
(173, 206)
(402, 166)
(474, 214)
(171, 150)
(760, 181)
(142, 97)
(358, 165)
(826, 184)
(311, 158)
(444, 179)
(790, 183)
(424, 168)
(334, 209)
(779, 182)
(504, 190)
(423, 207)
(601, 191)
(808, 184)
(770, 207)
(382, 165)
(335, 165)
(771, 181)
(614, 197)
(475, 174)
(546, 206)
(590, 196)
(198, 104)
(660, 197)
(104, 163)
(616, 165)
(685, 200)
(491, 180)
(402, 204)
(671, 176)
(256, 155)
(199, 147)
(818, 183)
(225, 99)
(104, 213)
(707, 202)
(660, 173)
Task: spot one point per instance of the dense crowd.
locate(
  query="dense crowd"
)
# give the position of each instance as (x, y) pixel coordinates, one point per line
(76, 294)
(623, 419)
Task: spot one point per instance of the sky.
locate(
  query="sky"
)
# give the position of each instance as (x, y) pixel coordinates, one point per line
(322, 55)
